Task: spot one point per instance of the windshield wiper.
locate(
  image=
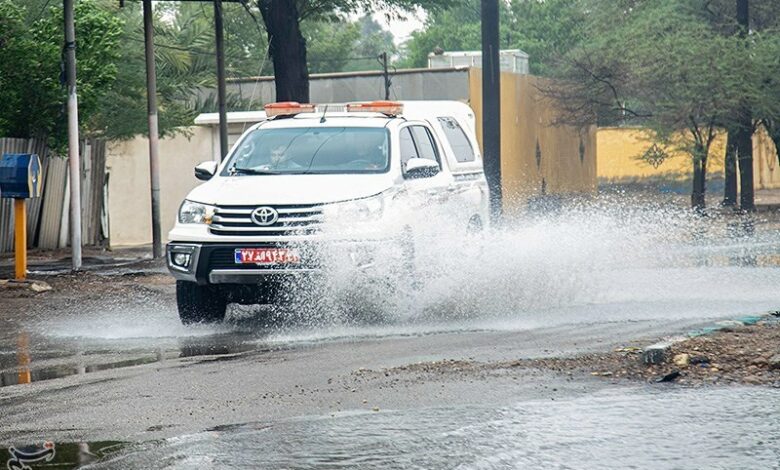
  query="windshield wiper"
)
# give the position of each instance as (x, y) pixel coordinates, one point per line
(250, 171)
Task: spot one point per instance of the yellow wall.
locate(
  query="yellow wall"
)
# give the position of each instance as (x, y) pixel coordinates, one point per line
(526, 117)
(765, 165)
(619, 150)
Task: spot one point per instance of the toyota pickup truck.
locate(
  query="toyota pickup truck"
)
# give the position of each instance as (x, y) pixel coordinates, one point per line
(316, 184)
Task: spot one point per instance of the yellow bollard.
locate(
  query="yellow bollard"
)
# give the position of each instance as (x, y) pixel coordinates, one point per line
(23, 356)
(20, 231)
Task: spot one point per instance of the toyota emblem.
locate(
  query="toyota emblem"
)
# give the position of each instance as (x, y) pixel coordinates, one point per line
(265, 216)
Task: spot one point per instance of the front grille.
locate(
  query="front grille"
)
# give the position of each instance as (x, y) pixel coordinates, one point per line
(293, 220)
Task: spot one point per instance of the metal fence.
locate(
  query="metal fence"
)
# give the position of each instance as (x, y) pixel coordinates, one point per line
(48, 216)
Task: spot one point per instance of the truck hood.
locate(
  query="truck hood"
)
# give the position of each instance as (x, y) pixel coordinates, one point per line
(249, 190)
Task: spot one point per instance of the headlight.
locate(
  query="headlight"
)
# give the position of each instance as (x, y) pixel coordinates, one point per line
(195, 213)
(360, 210)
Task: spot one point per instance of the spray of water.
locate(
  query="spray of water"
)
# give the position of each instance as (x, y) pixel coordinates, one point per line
(603, 260)
(597, 261)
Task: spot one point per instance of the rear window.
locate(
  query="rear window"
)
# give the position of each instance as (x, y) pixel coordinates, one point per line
(307, 150)
(461, 146)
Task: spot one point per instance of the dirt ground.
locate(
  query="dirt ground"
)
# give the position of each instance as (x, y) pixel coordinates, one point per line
(748, 355)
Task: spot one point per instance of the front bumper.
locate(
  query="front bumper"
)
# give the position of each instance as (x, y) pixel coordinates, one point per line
(213, 263)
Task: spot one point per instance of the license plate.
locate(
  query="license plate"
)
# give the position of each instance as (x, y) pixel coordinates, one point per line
(267, 256)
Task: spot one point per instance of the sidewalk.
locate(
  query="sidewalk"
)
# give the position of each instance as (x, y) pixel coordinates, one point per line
(135, 259)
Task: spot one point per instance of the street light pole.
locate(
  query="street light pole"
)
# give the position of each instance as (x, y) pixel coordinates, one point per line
(74, 164)
(491, 105)
(151, 104)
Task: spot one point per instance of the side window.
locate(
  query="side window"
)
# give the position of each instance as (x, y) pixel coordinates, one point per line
(408, 150)
(424, 141)
(461, 146)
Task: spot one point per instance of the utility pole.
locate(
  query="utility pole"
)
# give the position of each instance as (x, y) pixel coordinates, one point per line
(744, 137)
(151, 105)
(491, 105)
(385, 74)
(221, 91)
(74, 164)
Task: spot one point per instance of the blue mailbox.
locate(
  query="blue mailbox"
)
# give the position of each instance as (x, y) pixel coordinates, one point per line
(20, 175)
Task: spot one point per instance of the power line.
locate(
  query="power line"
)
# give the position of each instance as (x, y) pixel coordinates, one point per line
(40, 14)
(339, 59)
(176, 48)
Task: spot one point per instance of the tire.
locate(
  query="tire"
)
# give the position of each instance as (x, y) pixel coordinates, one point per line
(199, 304)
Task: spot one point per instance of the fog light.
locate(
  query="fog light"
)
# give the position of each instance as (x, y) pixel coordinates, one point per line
(181, 259)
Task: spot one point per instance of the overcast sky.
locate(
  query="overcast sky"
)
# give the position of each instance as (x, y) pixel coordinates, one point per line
(402, 29)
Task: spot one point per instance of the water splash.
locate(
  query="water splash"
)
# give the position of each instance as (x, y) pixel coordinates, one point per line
(602, 260)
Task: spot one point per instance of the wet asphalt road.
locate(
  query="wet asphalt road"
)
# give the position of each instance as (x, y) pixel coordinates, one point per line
(108, 361)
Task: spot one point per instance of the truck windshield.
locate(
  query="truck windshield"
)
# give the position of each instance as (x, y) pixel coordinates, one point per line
(307, 150)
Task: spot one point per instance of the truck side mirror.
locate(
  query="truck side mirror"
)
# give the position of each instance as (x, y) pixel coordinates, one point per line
(205, 171)
(421, 168)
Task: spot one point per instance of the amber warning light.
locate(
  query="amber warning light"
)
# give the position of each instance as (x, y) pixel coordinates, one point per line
(389, 108)
(287, 108)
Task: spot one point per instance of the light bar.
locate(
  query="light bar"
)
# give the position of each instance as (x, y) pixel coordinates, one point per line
(287, 108)
(389, 108)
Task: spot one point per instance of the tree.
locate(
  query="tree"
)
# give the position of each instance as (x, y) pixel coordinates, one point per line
(672, 73)
(330, 44)
(455, 29)
(544, 29)
(753, 25)
(372, 41)
(30, 56)
(287, 49)
(287, 44)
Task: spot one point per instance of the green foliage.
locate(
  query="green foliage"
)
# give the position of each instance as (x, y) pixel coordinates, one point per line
(185, 59)
(456, 29)
(373, 41)
(32, 95)
(18, 64)
(329, 44)
(544, 29)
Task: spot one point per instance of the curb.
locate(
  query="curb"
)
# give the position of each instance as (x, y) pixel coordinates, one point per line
(657, 353)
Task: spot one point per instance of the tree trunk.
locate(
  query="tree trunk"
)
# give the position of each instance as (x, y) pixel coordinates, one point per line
(744, 137)
(730, 172)
(287, 48)
(744, 145)
(699, 180)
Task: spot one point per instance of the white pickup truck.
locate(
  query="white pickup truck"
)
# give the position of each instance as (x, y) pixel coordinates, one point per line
(327, 183)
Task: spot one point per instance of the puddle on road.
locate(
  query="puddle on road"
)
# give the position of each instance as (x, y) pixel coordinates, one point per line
(603, 262)
(616, 428)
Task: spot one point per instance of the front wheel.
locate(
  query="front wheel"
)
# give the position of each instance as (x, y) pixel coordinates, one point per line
(200, 304)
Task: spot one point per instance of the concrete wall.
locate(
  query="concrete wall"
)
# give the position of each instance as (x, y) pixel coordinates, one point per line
(566, 162)
(619, 150)
(129, 197)
(415, 84)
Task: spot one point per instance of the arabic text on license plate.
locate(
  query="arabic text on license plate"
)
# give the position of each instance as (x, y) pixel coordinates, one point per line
(266, 256)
